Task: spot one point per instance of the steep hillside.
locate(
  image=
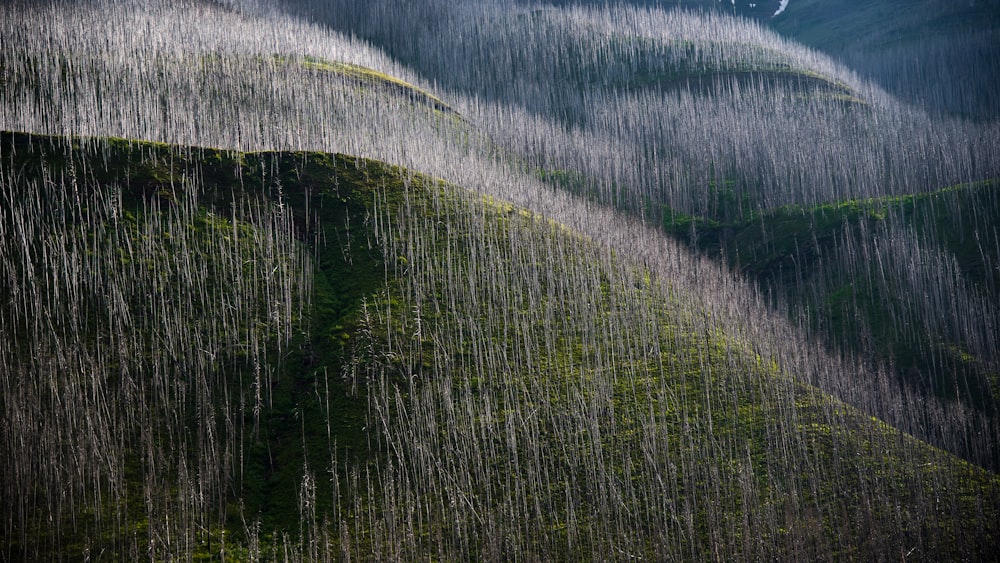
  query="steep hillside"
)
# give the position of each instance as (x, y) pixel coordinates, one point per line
(164, 327)
(942, 56)
(202, 75)
(571, 405)
(599, 282)
(402, 395)
(911, 280)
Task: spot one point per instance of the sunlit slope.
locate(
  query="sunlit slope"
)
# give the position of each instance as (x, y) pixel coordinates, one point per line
(321, 355)
(703, 54)
(646, 105)
(649, 106)
(550, 60)
(474, 407)
(379, 81)
(653, 104)
(572, 405)
(204, 75)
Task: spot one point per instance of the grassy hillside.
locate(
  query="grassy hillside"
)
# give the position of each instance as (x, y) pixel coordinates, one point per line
(911, 280)
(368, 77)
(413, 397)
(218, 294)
(571, 405)
(497, 349)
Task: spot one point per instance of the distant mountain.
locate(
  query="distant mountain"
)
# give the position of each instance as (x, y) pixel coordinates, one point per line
(941, 55)
(936, 54)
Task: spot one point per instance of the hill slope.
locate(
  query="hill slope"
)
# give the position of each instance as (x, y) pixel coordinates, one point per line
(570, 404)
(910, 280)
(300, 354)
(939, 55)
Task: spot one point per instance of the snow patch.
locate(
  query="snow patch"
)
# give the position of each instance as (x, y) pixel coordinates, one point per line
(781, 8)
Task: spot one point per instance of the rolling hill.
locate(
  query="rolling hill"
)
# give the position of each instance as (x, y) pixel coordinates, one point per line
(562, 283)
(941, 56)
(353, 323)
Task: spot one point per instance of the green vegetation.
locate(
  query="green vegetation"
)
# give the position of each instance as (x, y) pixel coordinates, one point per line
(819, 259)
(427, 401)
(184, 233)
(667, 289)
(569, 405)
(368, 76)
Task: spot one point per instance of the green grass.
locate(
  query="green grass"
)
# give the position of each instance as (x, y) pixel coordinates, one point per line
(788, 251)
(717, 411)
(366, 76)
(704, 395)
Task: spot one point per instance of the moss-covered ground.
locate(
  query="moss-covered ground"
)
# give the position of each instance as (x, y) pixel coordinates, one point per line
(797, 254)
(693, 433)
